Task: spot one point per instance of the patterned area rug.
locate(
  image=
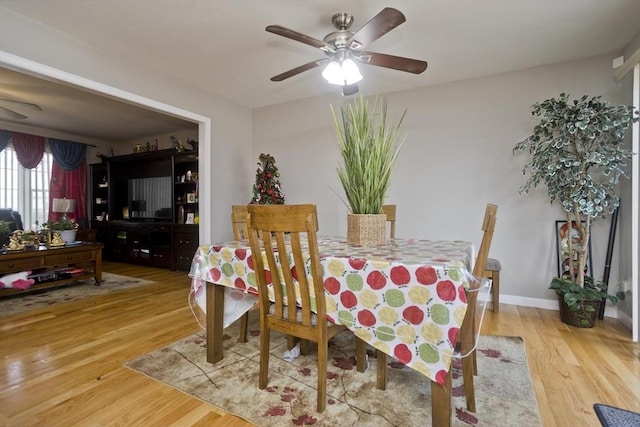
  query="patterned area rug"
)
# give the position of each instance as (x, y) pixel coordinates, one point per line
(504, 394)
(74, 291)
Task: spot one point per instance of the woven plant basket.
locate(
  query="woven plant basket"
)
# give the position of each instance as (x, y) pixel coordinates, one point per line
(580, 318)
(365, 229)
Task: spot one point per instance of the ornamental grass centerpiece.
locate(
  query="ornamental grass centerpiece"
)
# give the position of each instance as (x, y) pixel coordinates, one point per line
(369, 149)
(577, 150)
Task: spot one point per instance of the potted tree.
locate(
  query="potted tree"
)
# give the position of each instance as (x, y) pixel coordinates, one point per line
(369, 148)
(577, 150)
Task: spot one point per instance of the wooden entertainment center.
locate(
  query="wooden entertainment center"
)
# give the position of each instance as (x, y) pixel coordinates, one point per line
(144, 207)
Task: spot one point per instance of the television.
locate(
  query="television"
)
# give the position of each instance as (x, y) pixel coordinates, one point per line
(150, 198)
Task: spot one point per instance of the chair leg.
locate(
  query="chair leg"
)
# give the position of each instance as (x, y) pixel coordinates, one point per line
(291, 342)
(467, 344)
(323, 355)
(305, 347)
(381, 363)
(263, 378)
(467, 375)
(244, 325)
(473, 357)
(495, 288)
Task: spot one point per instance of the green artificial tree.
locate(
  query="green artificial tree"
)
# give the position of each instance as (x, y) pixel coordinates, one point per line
(267, 190)
(577, 151)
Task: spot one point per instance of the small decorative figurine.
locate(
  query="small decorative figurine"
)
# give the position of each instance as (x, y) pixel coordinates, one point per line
(15, 241)
(56, 240)
(178, 145)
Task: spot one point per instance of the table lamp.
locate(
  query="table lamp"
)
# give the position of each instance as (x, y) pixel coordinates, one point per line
(64, 206)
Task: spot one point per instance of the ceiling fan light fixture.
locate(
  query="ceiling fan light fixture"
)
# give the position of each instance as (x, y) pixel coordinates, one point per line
(332, 73)
(350, 72)
(345, 73)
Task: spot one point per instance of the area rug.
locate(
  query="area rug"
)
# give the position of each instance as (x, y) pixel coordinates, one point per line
(504, 394)
(610, 416)
(73, 291)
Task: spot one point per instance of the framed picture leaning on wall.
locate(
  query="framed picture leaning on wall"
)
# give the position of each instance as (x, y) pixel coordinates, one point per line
(564, 232)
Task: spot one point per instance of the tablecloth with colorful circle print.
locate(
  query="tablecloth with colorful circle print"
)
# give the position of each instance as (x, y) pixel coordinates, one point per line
(405, 297)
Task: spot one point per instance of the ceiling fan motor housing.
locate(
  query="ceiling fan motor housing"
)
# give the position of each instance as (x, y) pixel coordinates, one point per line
(342, 21)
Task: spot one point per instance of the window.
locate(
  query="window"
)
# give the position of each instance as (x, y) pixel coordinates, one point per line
(25, 190)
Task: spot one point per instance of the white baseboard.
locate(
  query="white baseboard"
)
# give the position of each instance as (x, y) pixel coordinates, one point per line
(625, 320)
(550, 304)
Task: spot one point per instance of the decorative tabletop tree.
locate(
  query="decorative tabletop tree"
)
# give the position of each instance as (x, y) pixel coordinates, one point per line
(577, 150)
(267, 190)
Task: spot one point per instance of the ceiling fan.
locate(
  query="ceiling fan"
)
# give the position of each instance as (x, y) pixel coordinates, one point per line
(7, 108)
(343, 47)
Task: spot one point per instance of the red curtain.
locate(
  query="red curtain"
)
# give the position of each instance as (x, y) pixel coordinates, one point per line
(71, 185)
(29, 149)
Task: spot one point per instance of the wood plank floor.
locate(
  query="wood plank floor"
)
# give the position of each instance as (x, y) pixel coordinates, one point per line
(63, 365)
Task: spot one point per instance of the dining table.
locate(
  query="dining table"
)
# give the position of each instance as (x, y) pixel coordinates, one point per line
(405, 297)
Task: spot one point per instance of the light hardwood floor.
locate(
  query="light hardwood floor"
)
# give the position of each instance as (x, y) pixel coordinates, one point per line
(63, 365)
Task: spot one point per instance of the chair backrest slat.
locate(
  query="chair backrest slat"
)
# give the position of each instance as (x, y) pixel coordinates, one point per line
(390, 212)
(488, 226)
(239, 222)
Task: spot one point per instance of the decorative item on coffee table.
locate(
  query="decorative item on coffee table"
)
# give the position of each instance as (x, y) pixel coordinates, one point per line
(369, 149)
(30, 239)
(65, 227)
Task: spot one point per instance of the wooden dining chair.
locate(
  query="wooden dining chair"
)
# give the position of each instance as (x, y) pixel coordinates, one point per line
(278, 231)
(390, 212)
(241, 232)
(239, 222)
(468, 329)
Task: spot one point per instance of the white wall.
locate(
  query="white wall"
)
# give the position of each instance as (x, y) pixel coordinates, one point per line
(230, 160)
(625, 230)
(457, 157)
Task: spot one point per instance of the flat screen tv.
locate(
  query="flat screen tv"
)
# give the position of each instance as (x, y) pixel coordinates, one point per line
(150, 198)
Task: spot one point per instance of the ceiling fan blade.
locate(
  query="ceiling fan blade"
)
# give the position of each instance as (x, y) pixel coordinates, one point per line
(302, 38)
(20, 104)
(295, 71)
(400, 63)
(378, 26)
(351, 89)
(11, 114)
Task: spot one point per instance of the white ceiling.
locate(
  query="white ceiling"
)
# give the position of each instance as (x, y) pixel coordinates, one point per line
(221, 47)
(69, 111)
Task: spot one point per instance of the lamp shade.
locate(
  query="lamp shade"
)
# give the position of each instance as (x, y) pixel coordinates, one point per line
(342, 73)
(64, 205)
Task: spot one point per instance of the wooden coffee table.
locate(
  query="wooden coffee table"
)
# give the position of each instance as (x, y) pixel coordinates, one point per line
(86, 255)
